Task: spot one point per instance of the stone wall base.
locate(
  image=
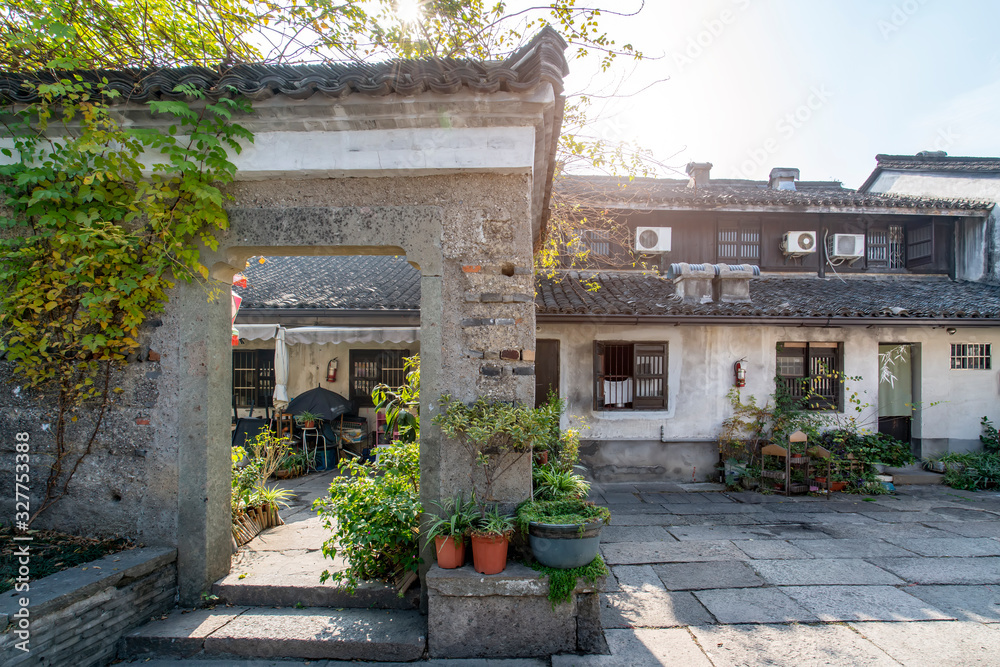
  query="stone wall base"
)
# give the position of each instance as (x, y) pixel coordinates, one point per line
(508, 615)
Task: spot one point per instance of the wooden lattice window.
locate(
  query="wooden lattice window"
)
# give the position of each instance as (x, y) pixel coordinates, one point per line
(739, 243)
(886, 248)
(630, 376)
(812, 373)
(369, 368)
(920, 245)
(253, 378)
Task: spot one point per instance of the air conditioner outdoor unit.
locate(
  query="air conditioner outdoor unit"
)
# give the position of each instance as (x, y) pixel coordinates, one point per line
(652, 239)
(847, 246)
(798, 243)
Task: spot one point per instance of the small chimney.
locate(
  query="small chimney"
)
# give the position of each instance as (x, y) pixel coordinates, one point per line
(698, 171)
(732, 283)
(783, 178)
(692, 282)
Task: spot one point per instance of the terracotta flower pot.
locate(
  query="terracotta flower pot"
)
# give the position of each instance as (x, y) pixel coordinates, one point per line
(838, 486)
(449, 554)
(489, 553)
(542, 457)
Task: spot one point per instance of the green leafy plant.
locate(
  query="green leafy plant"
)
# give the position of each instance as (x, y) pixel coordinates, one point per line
(972, 471)
(495, 436)
(990, 438)
(563, 512)
(563, 582)
(563, 446)
(552, 483)
(454, 519)
(401, 404)
(304, 417)
(493, 523)
(373, 512)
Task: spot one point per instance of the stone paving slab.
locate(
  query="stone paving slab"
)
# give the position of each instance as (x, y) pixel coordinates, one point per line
(614, 533)
(698, 487)
(722, 519)
(824, 572)
(711, 508)
(641, 553)
(944, 570)
(823, 519)
(642, 647)
(935, 644)
(620, 498)
(882, 531)
(847, 548)
(756, 532)
(770, 549)
(966, 513)
(788, 646)
(969, 528)
(181, 633)
(649, 520)
(658, 487)
(966, 603)
(699, 576)
(900, 517)
(754, 605)
(863, 603)
(954, 547)
(619, 509)
(642, 601)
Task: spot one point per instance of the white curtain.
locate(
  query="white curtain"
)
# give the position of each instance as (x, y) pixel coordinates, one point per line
(280, 371)
(327, 335)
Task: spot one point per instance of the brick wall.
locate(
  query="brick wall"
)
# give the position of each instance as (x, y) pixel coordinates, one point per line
(78, 616)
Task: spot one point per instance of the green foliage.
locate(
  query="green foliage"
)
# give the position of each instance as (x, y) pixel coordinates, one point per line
(570, 512)
(455, 518)
(402, 404)
(552, 483)
(972, 471)
(563, 446)
(495, 435)
(990, 438)
(563, 582)
(493, 523)
(307, 416)
(252, 469)
(374, 512)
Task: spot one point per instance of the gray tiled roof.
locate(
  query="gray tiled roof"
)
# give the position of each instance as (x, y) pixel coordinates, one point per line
(939, 163)
(720, 193)
(337, 283)
(635, 293)
(541, 60)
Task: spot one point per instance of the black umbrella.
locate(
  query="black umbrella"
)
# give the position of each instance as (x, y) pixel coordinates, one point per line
(322, 402)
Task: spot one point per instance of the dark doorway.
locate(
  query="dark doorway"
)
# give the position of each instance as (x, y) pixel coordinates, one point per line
(895, 390)
(546, 370)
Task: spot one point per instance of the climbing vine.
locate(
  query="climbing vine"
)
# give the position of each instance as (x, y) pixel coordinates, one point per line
(93, 236)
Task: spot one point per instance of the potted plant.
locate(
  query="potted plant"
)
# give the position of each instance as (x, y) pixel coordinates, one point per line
(490, 538)
(307, 419)
(447, 530)
(563, 534)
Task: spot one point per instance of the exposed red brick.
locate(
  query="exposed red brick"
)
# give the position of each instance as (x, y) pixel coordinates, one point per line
(472, 268)
(528, 355)
(153, 356)
(141, 421)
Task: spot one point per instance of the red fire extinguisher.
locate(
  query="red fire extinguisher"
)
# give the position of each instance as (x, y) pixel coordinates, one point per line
(740, 369)
(331, 370)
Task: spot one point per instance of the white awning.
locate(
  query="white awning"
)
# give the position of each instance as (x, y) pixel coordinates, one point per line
(328, 335)
(257, 331)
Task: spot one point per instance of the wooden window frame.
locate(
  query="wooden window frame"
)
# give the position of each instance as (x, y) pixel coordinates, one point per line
(382, 366)
(259, 369)
(748, 234)
(824, 392)
(971, 356)
(656, 371)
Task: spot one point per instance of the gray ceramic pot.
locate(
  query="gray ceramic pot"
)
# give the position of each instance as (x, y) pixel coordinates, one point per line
(565, 546)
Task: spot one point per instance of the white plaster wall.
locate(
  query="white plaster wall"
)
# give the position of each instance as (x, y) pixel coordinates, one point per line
(700, 374)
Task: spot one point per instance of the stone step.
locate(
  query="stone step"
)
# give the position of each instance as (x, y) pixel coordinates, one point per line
(291, 591)
(914, 474)
(255, 632)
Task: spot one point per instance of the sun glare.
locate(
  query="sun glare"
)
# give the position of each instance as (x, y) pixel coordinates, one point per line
(408, 11)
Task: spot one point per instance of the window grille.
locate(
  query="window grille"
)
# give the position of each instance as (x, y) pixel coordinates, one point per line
(253, 378)
(369, 368)
(972, 356)
(811, 373)
(739, 243)
(630, 376)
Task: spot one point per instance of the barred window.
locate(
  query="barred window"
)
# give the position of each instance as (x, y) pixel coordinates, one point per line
(972, 356)
(630, 376)
(811, 373)
(372, 367)
(253, 378)
(739, 243)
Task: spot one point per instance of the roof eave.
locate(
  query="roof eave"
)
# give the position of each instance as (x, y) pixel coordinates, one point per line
(687, 320)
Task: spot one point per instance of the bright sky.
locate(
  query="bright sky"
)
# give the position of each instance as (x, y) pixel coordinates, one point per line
(820, 85)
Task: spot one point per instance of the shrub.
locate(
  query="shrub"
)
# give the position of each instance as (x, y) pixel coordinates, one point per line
(374, 512)
(989, 438)
(973, 471)
(552, 483)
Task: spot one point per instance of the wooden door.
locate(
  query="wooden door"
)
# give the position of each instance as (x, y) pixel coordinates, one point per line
(546, 370)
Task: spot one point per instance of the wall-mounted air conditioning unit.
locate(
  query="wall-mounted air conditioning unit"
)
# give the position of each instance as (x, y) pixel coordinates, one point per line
(798, 243)
(652, 239)
(846, 246)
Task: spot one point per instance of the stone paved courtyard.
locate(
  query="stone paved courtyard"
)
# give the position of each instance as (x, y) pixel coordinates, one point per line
(701, 577)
